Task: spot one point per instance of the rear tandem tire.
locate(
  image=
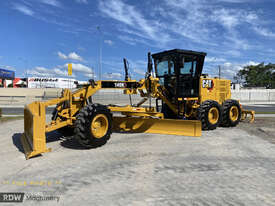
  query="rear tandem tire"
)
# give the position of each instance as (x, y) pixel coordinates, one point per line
(93, 125)
(231, 113)
(209, 113)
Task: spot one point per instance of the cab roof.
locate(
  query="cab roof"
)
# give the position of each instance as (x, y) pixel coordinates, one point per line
(178, 51)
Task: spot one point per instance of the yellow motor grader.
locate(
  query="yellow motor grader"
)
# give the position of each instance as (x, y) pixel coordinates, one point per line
(186, 102)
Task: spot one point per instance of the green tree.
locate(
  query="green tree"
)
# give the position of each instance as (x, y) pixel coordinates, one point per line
(260, 75)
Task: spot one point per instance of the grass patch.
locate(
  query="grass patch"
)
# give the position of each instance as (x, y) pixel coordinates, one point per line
(265, 112)
(6, 119)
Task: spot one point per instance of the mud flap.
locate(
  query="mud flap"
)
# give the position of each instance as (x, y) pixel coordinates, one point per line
(34, 137)
(158, 126)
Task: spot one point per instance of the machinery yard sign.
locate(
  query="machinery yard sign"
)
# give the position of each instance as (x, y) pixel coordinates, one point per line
(6, 74)
(46, 82)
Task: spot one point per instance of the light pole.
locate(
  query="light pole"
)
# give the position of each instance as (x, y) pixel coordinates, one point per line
(100, 53)
(26, 65)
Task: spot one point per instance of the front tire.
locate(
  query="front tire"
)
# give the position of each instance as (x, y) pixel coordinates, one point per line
(93, 126)
(209, 113)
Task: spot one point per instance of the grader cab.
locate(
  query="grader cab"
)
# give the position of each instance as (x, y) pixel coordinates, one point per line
(190, 102)
(195, 95)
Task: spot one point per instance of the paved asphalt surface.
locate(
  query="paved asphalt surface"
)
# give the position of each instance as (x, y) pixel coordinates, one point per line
(261, 107)
(256, 108)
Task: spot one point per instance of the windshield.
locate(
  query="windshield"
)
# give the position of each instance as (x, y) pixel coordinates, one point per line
(165, 67)
(188, 67)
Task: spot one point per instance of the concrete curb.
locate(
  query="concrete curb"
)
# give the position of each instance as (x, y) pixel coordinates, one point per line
(13, 115)
(17, 106)
(12, 106)
(255, 103)
(264, 115)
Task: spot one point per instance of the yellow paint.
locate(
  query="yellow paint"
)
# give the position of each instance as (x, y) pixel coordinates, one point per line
(245, 113)
(33, 138)
(213, 115)
(139, 119)
(157, 126)
(234, 113)
(70, 69)
(99, 126)
(215, 89)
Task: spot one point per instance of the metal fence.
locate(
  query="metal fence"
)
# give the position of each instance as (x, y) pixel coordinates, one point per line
(117, 97)
(254, 95)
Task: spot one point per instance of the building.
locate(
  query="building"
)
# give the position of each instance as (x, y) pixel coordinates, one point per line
(6, 78)
(49, 82)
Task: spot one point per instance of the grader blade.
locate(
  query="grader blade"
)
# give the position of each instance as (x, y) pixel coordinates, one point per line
(157, 126)
(34, 138)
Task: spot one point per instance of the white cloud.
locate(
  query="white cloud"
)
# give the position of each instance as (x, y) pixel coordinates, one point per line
(82, 1)
(115, 64)
(264, 31)
(238, 43)
(135, 66)
(227, 18)
(112, 75)
(180, 14)
(131, 40)
(183, 22)
(75, 56)
(235, 1)
(109, 42)
(139, 71)
(90, 75)
(41, 69)
(251, 63)
(118, 10)
(7, 67)
(214, 59)
(44, 72)
(61, 71)
(71, 56)
(23, 9)
(55, 3)
(229, 69)
(131, 17)
(230, 18)
(233, 52)
(80, 68)
(221, 26)
(61, 55)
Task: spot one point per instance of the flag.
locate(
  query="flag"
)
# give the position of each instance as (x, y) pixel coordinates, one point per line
(70, 69)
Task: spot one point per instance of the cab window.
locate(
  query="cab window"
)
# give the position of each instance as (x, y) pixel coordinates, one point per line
(188, 67)
(165, 67)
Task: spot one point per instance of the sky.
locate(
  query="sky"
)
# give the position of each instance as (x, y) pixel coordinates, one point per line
(40, 37)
